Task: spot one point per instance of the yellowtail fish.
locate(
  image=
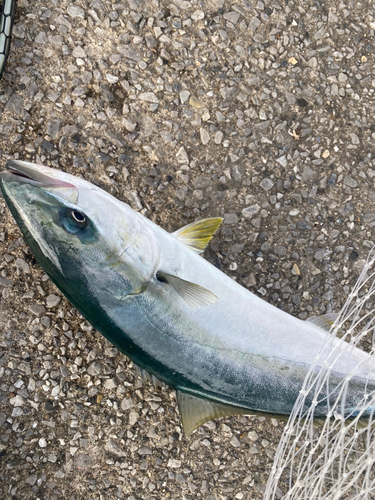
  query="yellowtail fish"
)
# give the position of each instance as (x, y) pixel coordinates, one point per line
(151, 294)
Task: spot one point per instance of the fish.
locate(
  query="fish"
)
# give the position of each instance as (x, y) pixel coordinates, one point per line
(8, 14)
(152, 295)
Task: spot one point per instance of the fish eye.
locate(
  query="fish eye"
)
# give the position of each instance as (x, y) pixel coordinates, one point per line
(78, 216)
(76, 222)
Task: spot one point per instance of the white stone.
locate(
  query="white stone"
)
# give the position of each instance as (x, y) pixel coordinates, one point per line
(55, 391)
(149, 97)
(182, 156)
(53, 300)
(249, 212)
(79, 52)
(75, 11)
(218, 137)
(282, 161)
(197, 15)
(17, 401)
(205, 136)
(266, 184)
(174, 463)
(42, 443)
(111, 78)
(184, 96)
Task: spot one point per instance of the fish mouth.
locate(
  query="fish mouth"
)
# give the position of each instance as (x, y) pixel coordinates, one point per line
(33, 174)
(37, 175)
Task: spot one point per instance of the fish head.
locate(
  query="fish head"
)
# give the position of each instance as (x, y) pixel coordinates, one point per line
(79, 232)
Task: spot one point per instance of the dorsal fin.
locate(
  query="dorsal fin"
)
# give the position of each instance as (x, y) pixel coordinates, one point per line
(198, 234)
(196, 411)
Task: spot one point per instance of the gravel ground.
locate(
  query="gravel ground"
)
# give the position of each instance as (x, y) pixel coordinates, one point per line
(258, 112)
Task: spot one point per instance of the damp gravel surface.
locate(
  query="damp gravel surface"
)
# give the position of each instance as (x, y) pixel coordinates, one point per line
(259, 112)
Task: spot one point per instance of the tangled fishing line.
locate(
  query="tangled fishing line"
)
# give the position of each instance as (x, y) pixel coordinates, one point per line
(333, 459)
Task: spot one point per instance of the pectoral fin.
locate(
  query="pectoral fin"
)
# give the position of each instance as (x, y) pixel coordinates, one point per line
(198, 234)
(196, 411)
(194, 295)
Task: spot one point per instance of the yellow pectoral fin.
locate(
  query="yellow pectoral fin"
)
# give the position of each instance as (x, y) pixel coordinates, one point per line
(198, 234)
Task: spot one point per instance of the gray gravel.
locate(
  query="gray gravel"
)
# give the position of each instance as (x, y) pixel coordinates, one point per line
(261, 112)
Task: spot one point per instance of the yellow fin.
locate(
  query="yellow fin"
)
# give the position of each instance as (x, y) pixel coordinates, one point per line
(196, 411)
(198, 234)
(325, 321)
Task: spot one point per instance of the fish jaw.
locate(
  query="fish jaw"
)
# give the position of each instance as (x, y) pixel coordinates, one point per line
(35, 200)
(40, 176)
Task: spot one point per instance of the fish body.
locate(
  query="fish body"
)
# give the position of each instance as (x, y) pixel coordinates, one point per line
(148, 292)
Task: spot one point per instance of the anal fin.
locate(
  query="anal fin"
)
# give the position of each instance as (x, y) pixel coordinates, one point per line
(196, 411)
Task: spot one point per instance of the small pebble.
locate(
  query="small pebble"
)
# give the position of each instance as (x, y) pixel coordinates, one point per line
(205, 136)
(42, 443)
(53, 300)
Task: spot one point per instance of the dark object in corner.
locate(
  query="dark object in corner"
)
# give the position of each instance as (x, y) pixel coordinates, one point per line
(6, 25)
